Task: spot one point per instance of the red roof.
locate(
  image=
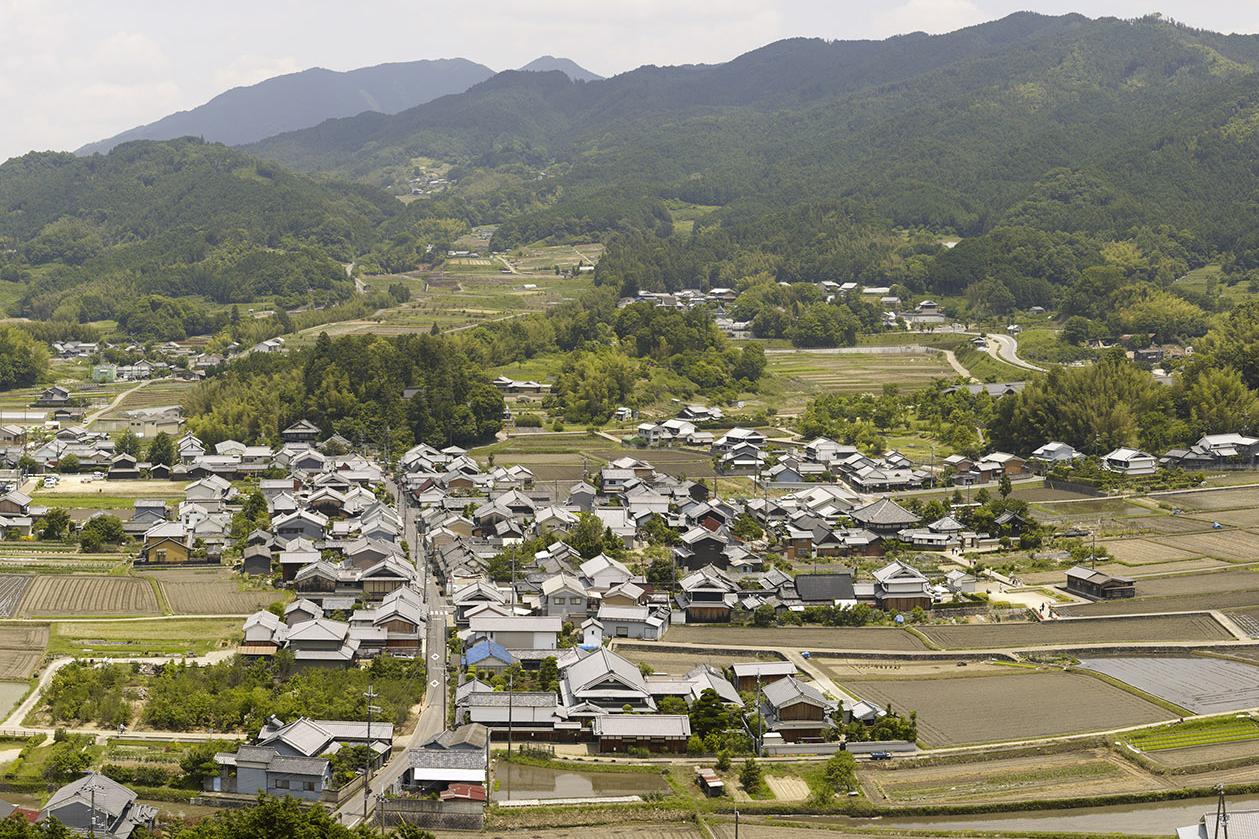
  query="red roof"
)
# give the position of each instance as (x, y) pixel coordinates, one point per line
(470, 792)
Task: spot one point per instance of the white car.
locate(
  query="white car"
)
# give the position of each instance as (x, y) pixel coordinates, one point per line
(50, 481)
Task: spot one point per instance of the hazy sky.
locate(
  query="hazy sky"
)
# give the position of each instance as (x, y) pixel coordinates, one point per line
(74, 71)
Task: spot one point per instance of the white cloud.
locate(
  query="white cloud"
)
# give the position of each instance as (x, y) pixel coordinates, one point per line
(931, 16)
(251, 69)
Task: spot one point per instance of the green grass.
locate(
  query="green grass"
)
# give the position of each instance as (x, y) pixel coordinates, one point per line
(1203, 732)
(104, 639)
(88, 501)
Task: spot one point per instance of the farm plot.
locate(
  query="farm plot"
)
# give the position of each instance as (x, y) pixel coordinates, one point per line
(1208, 756)
(1198, 732)
(66, 594)
(991, 708)
(678, 664)
(1232, 589)
(1144, 551)
(1011, 779)
(1233, 545)
(10, 694)
(794, 375)
(1084, 631)
(21, 650)
(1202, 685)
(213, 593)
(1232, 518)
(12, 587)
(808, 638)
(1219, 499)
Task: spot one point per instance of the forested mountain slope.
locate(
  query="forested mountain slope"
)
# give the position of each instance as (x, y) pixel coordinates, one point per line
(1057, 123)
(298, 100)
(88, 234)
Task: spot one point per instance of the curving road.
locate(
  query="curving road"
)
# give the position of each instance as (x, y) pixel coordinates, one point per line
(1006, 348)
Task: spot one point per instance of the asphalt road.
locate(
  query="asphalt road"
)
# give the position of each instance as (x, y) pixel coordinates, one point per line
(432, 719)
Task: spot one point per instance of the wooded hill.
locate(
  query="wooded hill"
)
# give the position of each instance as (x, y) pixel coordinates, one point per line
(1058, 123)
(177, 218)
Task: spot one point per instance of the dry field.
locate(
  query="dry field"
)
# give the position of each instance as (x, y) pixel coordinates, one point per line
(1015, 706)
(1199, 684)
(845, 669)
(66, 594)
(21, 650)
(1246, 518)
(12, 587)
(1067, 632)
(1011, 779)
(807, 638)
(1232, 589)
(677, 664)
(1219, 499)
(1233, 545)
(1205, 756)
(211, 591)
(1144, 552)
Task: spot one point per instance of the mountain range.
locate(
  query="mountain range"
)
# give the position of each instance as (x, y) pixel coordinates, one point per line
(299, 100)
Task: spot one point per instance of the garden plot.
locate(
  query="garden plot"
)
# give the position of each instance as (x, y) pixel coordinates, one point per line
(807, 638)
(1085, 631)
(1206, 756)
(1201, 685)
(1014, 706)
(67, 594)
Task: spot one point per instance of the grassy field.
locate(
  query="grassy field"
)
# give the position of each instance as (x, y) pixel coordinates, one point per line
(1014, 779)
(794, 377)
(1195, 733)
(104, 639)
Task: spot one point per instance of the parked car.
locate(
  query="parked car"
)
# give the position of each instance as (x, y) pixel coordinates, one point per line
(880, 755)
(50, 481)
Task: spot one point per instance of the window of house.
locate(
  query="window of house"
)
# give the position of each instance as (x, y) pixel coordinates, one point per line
(622, 632)
(309, 786)
(161, 556)
(281, 784)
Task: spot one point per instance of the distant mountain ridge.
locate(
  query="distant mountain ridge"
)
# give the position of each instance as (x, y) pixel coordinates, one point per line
(300, 100)
(570, 68)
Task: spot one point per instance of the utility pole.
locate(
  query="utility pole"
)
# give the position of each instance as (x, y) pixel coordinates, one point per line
(371, 756)
(511, 684)
(92, 787)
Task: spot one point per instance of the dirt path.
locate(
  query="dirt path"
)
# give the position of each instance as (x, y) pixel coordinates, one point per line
(503, 259)
(114, 403)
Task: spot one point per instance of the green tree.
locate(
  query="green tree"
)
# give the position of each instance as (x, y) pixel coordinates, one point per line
(162, 450)
(68, 464)
(708, 714)
(127, 443)
(1004, 486)
(1218, 401)
(55, 524)
(750, 776)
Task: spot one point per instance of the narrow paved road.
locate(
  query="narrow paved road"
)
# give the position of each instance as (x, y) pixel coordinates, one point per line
(432, 720)
(1006, 348)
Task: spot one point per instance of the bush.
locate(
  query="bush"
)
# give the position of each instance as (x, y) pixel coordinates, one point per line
(694, 745)
(750, 776)
(528, 421)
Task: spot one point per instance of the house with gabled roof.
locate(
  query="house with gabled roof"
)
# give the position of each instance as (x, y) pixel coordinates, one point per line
(796, 710)
(604, 683)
